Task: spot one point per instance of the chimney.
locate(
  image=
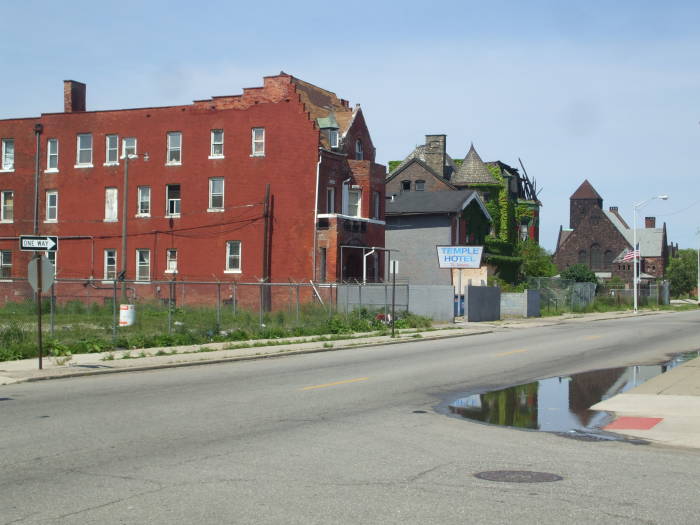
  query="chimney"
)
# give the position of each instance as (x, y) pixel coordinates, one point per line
(650, 222)
(613, 209)
(435, 153)
(73, 96)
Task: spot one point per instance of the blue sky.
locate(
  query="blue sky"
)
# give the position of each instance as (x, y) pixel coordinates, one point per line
(608, 91)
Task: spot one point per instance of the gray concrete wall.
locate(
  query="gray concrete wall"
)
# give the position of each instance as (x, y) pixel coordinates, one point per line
(433, 301)
(521, 304)
(415, 236)
(482, 303)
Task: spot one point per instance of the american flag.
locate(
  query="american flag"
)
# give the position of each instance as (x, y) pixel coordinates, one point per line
(631, 254)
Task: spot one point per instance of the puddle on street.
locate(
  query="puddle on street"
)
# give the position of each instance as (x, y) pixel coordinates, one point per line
(559, 404)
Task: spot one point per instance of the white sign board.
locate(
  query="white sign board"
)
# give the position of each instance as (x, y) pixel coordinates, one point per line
(35, 243)
(459, 256)
(394, 267)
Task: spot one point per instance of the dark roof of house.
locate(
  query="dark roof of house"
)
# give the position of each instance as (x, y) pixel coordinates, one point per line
(473, 171)
(585, 191)
(432, 202)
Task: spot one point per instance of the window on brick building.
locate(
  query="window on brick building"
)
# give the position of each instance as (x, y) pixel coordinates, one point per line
(333, 138)
(51, 256)
(582, 257)
(420, 185)
(51, 206)
(143, 265)
(354, 203)
(144, 201)
(330, 200)
(174, 148)
(596, 257)
(5, 264)
(128, 146)
(405, 185)
(172, 197)
(359, 153)
(258, 144)
(608, 259)
(323, 264)
(84, 156)
(216, 194)
(8, 155)
(112, 147)
(171, 260)
(7, 206)
(110, 264)
(52, 155)
(217, 144)
(111, 204)
(376, 204)
(233, 256)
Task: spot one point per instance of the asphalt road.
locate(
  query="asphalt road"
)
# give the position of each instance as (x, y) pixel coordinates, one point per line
(334, 438)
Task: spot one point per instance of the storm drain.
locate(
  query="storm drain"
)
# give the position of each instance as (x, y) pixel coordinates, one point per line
(5, 399)
(517, 476)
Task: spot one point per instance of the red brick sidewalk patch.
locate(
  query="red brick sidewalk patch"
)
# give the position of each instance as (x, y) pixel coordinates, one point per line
(633, 423)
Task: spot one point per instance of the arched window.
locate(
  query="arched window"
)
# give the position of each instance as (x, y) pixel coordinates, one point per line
(596, 257)
(359, 155)
(582, 257)
(608, 259)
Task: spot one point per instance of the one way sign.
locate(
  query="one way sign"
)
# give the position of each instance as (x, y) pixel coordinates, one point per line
(37, 243)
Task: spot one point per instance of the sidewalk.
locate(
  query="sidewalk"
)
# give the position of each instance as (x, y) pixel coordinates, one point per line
(154, 358)
(665, 409)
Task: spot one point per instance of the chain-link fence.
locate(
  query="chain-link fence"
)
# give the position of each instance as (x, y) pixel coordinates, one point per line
(562, 295)
(173, 311)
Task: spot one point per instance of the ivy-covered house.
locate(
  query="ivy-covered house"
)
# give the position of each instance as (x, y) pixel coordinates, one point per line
(509, 197)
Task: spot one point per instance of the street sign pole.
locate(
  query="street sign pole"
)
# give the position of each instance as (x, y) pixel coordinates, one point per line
(39, 289)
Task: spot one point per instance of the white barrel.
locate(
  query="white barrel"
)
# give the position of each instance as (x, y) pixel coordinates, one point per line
(127, 314)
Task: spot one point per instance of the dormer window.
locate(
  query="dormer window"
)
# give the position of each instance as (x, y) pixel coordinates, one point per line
(333, 139)
(359, 155)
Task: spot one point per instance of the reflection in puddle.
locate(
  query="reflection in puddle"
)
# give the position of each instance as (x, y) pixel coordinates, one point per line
(559, 404)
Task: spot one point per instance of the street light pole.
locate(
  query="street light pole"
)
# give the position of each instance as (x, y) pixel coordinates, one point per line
(638, 253)
(125, 200)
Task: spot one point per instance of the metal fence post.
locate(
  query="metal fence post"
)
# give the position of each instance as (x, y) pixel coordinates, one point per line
(297, 286)
(53, 307)
(114, 310)
(262, 295)
(218, 307)
(233, 298)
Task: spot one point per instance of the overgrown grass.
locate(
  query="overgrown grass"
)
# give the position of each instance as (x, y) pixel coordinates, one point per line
(81, 328)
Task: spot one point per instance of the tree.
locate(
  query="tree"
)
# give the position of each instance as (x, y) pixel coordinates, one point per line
(537, 262)
(579, 273)
(682, 272)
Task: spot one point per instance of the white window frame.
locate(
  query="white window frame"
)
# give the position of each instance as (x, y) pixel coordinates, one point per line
(4, 207)
(330, 199)
(125, 147)
(168, 201)
(106, 266)
(333, 138)
(140, 266)
(213, 208)
(213, 154)
(51, 212)
(140, 191)
(359, 150)
(5, 264)
(257, 144)
(7, 164)
(173, 151)
(111, 212)
(111, 150)
(51, 144)
(171, 260)
(81, 147)
(357, 204)
(229, 256)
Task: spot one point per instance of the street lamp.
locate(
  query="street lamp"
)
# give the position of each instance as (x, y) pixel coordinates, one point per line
(125, 200)
(635, 252)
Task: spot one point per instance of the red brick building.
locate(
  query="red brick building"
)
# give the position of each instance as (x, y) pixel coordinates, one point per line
(196, 205)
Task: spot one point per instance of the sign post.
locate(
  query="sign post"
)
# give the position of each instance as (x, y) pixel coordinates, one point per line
(394, 270)
(40, 274)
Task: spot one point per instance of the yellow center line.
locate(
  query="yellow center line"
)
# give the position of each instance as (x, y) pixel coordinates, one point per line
(591, 337)
(344, 382)
(511, 352)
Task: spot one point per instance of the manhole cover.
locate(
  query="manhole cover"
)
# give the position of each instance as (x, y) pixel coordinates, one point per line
(517, 476)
